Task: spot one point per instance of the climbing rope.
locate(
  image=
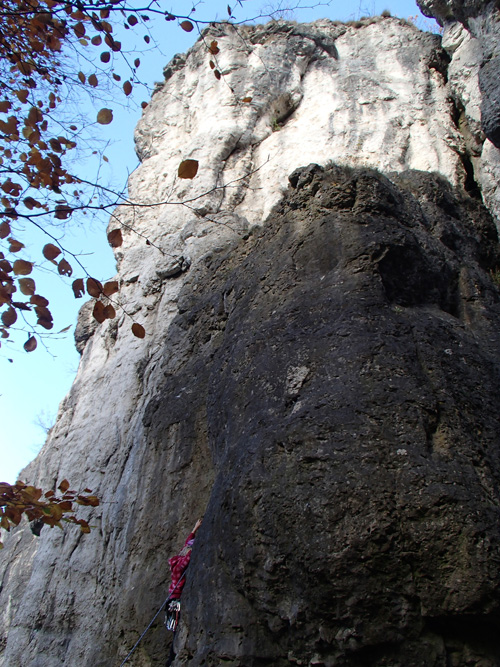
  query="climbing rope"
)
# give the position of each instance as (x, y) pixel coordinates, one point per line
(153, 619)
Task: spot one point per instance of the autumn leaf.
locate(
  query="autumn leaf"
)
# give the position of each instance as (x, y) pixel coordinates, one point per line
(188, 169)
(27, 286)
(93, 81)
(105, 116)
(110, 288)
(213, 48)
(127, 87)
(109, 312)
(64, 268)
(94, 287)
(63, 486)
(187, 26)
(22, 267)
(78, 288)
(138, 330)
(9, 316)
(247, 100)
(30, 344)
(98, 312)
(50, 252)
(115, 238)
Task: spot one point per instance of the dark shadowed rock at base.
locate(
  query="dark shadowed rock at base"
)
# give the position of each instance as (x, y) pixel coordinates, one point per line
(348, 357)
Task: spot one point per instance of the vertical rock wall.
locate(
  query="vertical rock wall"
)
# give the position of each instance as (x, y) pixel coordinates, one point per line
(320, 381)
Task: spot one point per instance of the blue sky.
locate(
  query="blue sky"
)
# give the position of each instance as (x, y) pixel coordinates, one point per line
(33, 384)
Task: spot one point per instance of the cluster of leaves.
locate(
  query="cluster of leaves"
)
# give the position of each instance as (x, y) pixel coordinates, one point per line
(36, 78)
(48, 508)
(42, 46)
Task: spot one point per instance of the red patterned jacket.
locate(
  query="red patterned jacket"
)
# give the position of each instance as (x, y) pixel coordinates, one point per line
(178, 565)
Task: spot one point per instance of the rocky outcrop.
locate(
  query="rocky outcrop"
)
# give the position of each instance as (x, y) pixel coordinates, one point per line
(318, 377)
(471, 35)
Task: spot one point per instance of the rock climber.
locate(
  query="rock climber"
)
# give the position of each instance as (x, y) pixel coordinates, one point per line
(178, 566)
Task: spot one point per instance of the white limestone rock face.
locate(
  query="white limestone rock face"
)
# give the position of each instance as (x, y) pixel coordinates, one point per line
(370, 96)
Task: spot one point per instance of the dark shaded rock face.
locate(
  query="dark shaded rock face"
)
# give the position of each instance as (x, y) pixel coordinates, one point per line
(489, 84)
(346, 363)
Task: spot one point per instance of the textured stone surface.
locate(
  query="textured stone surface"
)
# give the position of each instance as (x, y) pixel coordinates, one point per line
(471, 36)
(324, 387)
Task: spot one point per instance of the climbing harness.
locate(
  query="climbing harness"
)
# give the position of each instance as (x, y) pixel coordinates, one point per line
(154, 618)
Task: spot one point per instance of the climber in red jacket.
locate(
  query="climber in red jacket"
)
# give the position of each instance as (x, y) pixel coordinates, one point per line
(178, 566)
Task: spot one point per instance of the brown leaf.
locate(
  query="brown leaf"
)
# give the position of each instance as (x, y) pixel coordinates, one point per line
(64, 268)
(115, 238)
(127, 87)
(9, 316)
(4, 229)
(132, 20)
(217, 74)
(110, 288)
(22, 95)
(27, 286)
(93, 81)
(187, 26)
(30, 344)
(247, 100)
(39, 300)
(78, 288)
(97, 40)
(105, 57)
(63, 486)
(212, 64)
(99, 312)
(15, 246)
(109, 312)
(188, 169)
(44, 317)
(51, 251)
(137, 62)
(22, 268)
(105, 116)
(94, 287)
(62, 211)
(82, 77)
(138, 330)
(213, 48)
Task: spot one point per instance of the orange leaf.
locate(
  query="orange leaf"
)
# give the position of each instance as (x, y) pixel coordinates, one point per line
(63, 486)
(30, 344)
(138, 330)
(115, 238)
(188, 169)
(51, 251)
(187, 26)
(105, 116)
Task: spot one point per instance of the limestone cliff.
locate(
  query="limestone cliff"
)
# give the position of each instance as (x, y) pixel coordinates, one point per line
(319, 377)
